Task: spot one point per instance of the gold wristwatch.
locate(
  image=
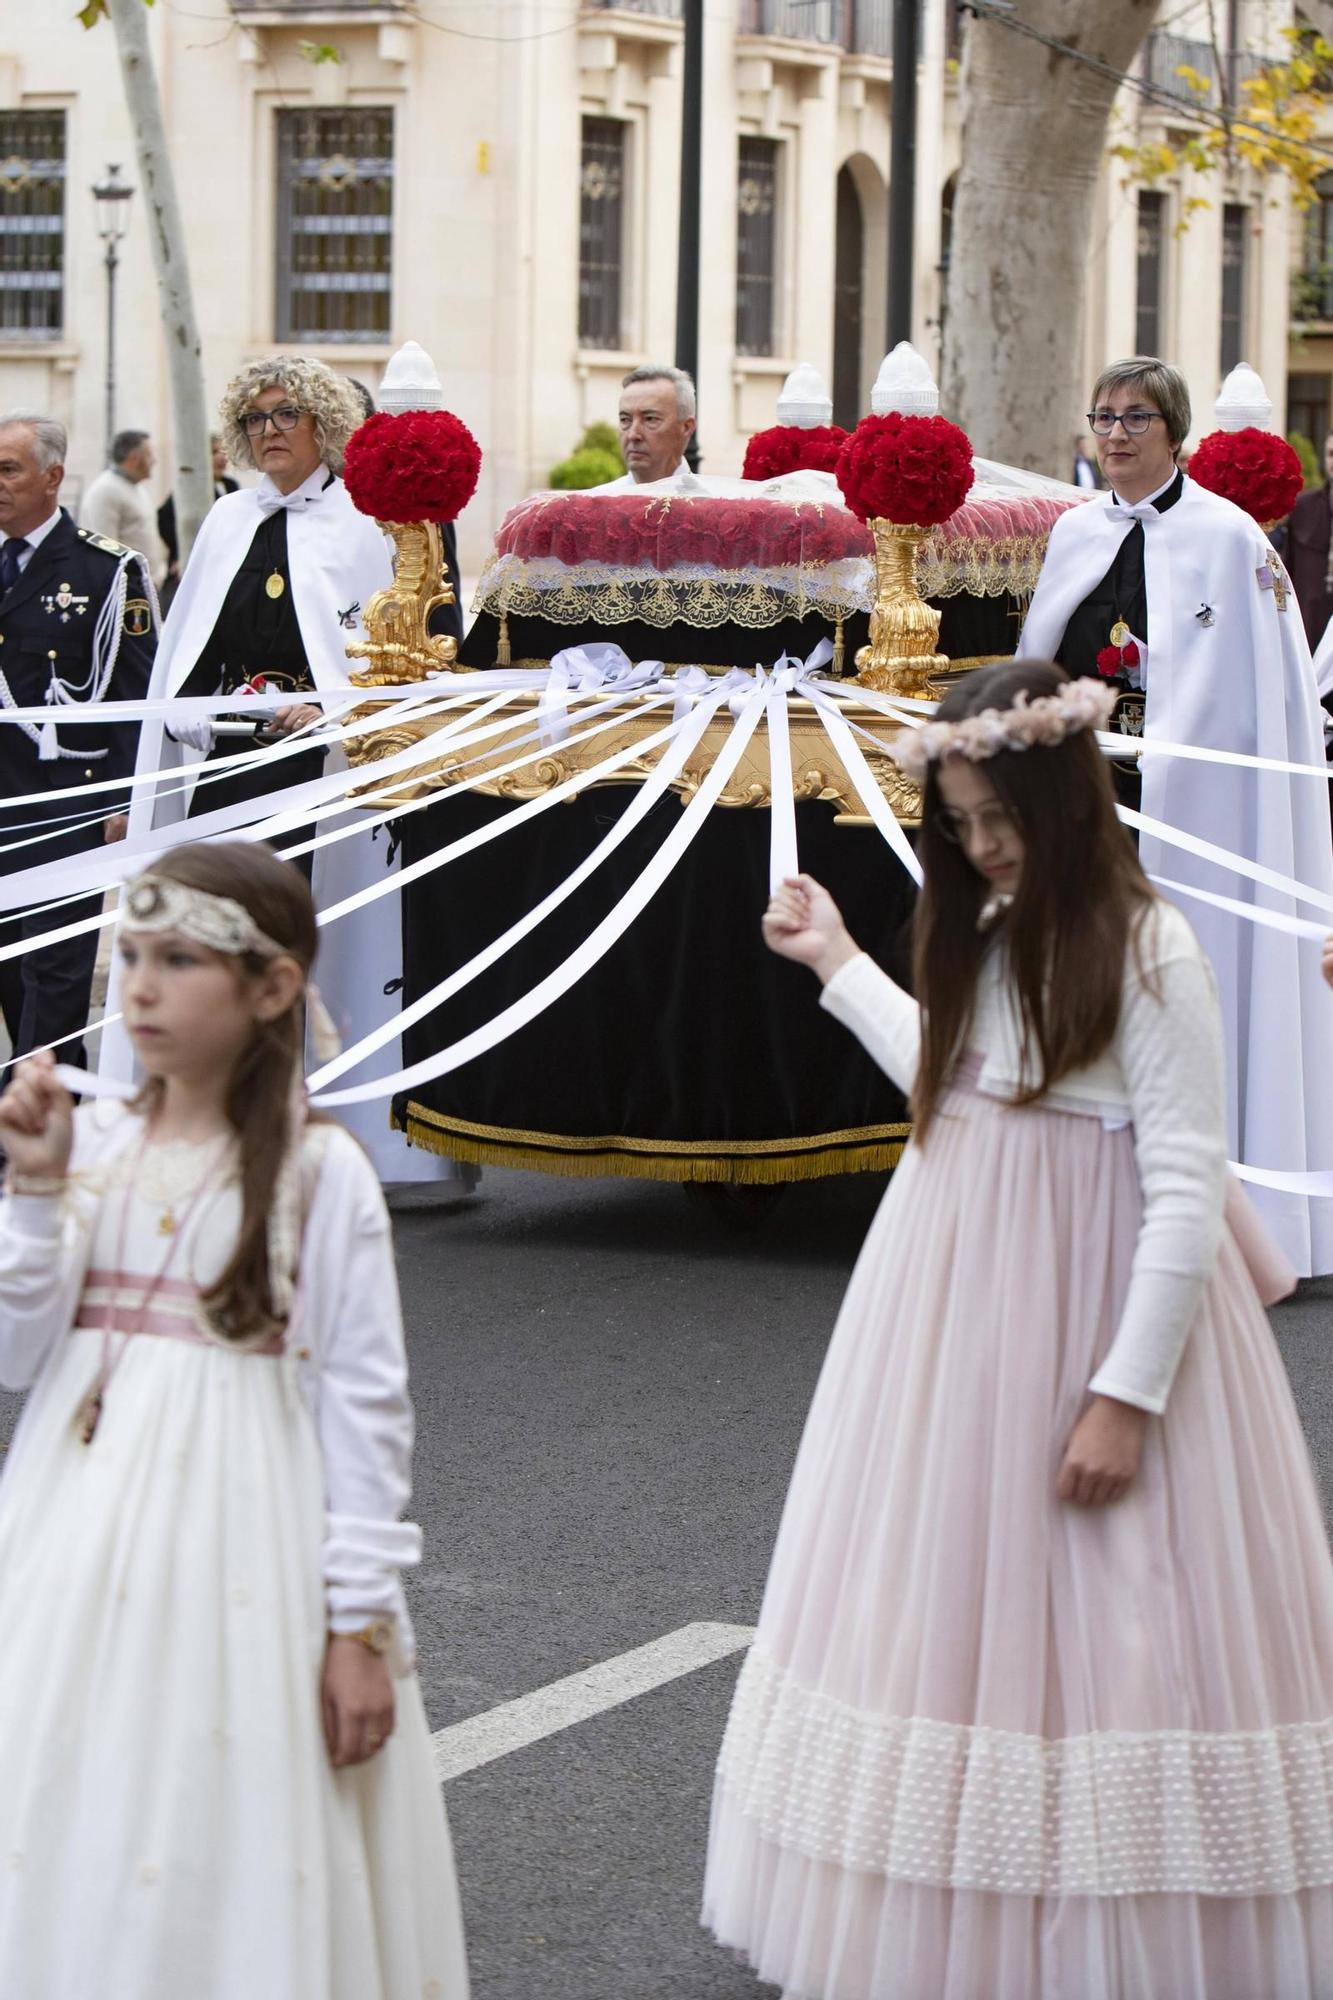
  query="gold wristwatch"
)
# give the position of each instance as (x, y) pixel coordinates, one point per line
(377, 1637)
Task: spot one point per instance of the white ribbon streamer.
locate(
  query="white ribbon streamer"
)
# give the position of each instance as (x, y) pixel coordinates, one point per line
(594, 947)
(1275, 920)
(1286, 885)
(671, 763)
(867, 787)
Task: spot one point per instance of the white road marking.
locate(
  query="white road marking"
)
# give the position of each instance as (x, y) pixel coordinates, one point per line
(515, 1724)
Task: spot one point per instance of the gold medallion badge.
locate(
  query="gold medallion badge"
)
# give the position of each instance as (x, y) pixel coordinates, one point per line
(276, 584)
(1119, 632)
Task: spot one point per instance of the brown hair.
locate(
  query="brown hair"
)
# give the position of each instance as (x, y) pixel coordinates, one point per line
(1079, 897)
(259, 1097)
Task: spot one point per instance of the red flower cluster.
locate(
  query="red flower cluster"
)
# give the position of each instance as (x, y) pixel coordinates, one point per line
(1113, 660)
(662, 534)
(788, 448)
(420, 465)
(1256, 469)
(914, 470)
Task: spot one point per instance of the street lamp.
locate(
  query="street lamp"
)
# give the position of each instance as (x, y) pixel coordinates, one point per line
(111, 196)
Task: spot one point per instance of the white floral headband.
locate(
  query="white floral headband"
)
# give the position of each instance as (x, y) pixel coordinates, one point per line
(1032, 721)
(158, 903)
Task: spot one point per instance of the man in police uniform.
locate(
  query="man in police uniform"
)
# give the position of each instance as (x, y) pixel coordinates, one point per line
(77, 623)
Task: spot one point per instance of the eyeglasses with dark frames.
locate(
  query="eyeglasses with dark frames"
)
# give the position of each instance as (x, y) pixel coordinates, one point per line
(1134, 423)
(285, 418)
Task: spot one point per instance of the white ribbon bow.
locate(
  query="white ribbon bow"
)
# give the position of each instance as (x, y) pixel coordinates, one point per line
(272, 501)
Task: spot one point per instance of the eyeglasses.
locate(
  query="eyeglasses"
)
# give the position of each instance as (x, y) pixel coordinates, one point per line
(990, 821)
(285, 418)
(1132, 422)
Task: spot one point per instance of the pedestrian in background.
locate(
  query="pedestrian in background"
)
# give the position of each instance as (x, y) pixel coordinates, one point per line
(216, 1777)
(1041, 1697)
(117, 504)
(223, 483)
(76, 625)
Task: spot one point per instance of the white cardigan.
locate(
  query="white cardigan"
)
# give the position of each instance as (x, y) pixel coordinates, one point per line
(345, 1337)
(1162, 1074)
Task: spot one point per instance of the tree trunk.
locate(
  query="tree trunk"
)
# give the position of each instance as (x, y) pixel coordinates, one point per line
(192, 473)
(1034, 139)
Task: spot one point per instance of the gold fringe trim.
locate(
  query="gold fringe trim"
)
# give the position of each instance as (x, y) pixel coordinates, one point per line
(762, 1163)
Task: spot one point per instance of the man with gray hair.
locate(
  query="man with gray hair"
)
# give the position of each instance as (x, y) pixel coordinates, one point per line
(117, 503)
(1175, 597)
(76, 625)
(656, 424)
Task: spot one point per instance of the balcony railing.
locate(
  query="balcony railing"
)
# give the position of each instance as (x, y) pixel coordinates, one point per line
(861, 27)
(1164, 57)
(665, 10)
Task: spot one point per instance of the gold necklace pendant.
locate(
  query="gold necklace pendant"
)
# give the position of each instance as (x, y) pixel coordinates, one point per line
(276, 584)
(166, 1222)
(1119, 632)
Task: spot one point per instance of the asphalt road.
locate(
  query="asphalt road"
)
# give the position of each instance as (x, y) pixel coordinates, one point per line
(610, 1387)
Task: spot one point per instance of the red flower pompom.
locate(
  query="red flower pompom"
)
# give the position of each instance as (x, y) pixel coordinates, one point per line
(914, 470)
(1113, 660)
(788, 448)
(1256, 469)
(418, 465)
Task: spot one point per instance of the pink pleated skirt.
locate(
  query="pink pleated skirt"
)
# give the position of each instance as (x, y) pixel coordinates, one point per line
(989, 1746)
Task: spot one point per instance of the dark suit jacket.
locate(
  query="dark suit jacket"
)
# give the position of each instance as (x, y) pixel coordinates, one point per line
(47, 620)
(1306, 552)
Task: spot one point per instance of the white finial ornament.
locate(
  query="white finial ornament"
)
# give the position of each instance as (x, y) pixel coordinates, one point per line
(905, 383)
(1243, 403)
(805, 400)
(410, 381)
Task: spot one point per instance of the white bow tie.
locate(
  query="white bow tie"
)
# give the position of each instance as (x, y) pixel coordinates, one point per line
(271, 501)
(1142, 510)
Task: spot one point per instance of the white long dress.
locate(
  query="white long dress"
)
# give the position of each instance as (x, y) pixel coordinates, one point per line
(170, 1825)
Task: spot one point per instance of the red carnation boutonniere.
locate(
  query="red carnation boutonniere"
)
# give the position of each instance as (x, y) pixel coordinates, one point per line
(1113, 660)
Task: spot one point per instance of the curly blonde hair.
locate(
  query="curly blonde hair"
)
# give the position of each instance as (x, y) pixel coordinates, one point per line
(331, 400)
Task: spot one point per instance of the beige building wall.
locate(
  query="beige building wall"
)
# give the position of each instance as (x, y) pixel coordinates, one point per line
(488, 101)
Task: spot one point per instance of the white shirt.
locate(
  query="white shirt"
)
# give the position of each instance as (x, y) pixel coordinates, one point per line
(33, 540)
(1162, 1074)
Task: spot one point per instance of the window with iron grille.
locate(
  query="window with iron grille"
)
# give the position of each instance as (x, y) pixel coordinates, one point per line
(32, 225)
(756, 245)
(335, 225)
(601, 232)
(1235, 230)
(1312, 285)
(1148, 298)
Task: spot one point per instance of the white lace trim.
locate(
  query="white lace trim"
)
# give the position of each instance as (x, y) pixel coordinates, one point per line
(1113, 1813)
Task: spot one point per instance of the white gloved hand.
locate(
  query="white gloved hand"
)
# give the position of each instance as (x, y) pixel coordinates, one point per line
(194, 733)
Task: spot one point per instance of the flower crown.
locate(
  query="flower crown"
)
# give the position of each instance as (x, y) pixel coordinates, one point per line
(1042, 720)
(159, 903)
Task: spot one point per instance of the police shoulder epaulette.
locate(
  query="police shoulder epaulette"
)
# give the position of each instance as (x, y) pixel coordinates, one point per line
(104, 542)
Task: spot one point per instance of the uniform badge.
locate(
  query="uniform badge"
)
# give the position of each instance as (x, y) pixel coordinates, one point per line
(138, 619)
(1272, 576)
(1127, 718)
(65, 603)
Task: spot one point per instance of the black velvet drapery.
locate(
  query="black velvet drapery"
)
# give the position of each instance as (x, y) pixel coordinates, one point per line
(689, 1052)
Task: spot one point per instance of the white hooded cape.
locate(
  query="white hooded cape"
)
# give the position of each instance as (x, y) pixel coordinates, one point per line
(337, 558)
(1240, 680)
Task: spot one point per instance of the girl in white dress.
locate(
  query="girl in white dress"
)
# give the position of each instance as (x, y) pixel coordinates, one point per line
(215, 1770)
(1041, 1701)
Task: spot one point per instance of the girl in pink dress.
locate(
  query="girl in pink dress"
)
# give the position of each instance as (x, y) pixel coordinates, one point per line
(216, 1778)
(1041, 1701)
